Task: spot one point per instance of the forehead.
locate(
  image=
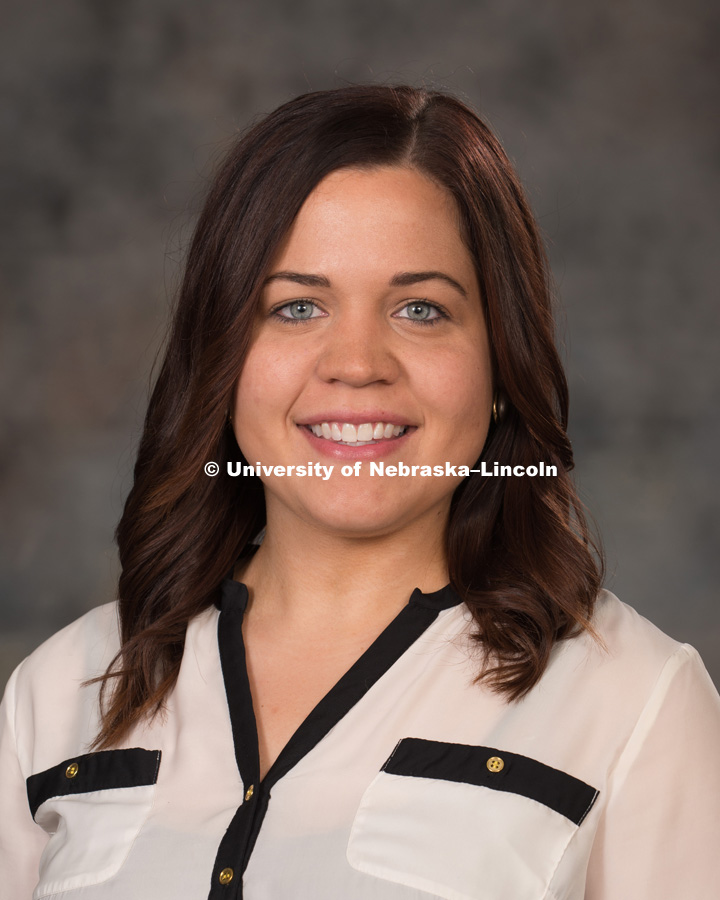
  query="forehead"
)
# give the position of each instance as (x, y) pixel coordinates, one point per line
(380, 217)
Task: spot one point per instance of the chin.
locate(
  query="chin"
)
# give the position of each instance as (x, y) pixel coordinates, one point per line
(371, 522)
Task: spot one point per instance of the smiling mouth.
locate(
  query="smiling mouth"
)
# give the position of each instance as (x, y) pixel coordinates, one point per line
(358, 435)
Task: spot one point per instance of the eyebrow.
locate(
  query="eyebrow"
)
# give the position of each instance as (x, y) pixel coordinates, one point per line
(402, 279)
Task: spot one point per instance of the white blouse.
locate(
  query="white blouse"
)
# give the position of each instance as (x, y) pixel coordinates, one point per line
(407, 781)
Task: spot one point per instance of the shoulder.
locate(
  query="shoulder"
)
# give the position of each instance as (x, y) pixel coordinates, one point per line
(629, 661)
(629, 635)
(81, 650)
(605, 699)
(47, 695)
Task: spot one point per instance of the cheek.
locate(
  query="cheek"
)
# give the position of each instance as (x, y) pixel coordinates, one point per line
(459, 389)
(268, 380)
(256, 397)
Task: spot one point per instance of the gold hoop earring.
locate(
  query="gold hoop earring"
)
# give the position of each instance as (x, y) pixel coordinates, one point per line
(498, 407)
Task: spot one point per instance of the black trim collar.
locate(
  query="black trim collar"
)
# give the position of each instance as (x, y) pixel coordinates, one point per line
(235, 593)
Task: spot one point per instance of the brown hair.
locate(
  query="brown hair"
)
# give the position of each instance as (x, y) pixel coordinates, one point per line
(519, 552)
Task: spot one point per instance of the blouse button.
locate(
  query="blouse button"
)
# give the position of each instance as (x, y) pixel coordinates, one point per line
(249, 792)
(72, 770)
(495, 764)
(226, 876)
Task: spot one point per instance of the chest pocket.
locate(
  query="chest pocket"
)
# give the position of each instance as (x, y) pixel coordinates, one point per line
(93, 807)
(466, 822)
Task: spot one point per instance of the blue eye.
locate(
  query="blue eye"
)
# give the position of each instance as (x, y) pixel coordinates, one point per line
(298, 311)
(422, 312)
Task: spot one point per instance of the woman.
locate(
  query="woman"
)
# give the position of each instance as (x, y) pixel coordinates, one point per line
(354, 658)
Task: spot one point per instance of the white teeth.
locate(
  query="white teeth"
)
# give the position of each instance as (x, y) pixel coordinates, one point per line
(359, 435)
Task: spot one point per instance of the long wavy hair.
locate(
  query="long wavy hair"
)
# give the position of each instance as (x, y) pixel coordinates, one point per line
(519, 550)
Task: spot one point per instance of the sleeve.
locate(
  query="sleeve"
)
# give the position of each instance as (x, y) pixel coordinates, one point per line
(659, 835)
(21, 840)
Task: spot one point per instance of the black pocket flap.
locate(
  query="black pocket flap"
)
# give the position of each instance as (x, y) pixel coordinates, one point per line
(99, 771)
(498, 770)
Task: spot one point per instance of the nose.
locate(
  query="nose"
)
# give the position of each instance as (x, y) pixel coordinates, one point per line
(358, 351)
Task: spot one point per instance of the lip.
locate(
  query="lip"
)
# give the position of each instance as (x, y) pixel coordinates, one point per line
(347, 451)
(353, 417)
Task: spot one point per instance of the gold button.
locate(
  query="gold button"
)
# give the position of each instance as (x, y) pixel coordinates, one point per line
(72, 770)
(226, 876)
(249, 792)
(495, 764)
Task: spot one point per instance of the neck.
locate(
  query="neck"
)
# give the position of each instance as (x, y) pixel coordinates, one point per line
(302, 575)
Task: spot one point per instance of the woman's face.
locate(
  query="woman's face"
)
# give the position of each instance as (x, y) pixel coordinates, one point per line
(370, 346)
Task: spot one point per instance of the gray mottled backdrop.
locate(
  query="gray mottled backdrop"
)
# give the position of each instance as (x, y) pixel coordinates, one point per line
(112, 115)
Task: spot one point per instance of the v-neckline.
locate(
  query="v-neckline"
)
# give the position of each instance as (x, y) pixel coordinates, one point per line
(412, 620)
(237, 845)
